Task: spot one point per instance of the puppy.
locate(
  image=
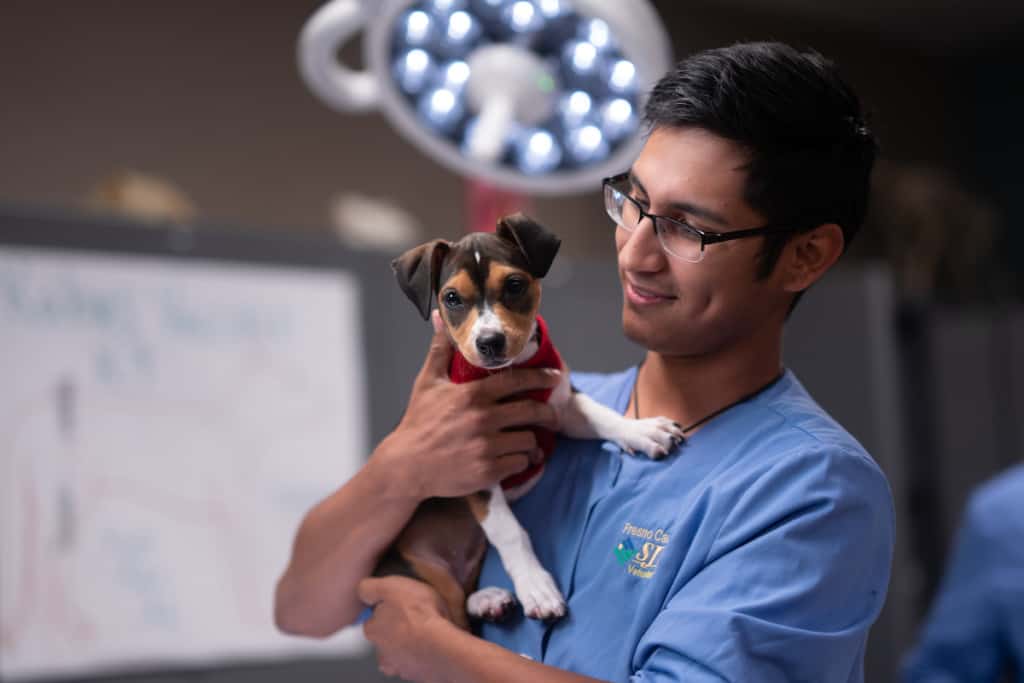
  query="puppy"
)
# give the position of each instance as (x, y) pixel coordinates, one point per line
(487, 288)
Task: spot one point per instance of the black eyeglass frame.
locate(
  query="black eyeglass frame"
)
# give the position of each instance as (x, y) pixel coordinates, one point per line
(706, 237)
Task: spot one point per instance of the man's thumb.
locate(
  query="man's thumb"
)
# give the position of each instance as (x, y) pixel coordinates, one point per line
(368, 591)
(439, 357)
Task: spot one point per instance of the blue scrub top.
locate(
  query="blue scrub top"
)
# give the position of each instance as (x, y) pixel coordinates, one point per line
(975, 630)
(759, 550)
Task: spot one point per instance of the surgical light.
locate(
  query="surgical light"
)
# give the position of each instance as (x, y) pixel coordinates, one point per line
(531, 95)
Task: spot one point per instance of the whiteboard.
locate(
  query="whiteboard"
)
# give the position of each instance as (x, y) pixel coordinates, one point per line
(164, 425)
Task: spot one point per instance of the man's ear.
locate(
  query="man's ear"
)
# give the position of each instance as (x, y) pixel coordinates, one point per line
(537, 244)
(418, 271)
(808, 255)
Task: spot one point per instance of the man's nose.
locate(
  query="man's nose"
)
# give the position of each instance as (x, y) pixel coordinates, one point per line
(641, 250)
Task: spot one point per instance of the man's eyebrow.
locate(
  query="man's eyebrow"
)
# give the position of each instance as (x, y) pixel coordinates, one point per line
(684, 207)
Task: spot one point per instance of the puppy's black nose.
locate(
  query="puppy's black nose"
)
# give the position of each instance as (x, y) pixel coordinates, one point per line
(491, 345)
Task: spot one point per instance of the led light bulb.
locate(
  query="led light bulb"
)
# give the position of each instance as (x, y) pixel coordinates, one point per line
(454, 75)
(442, 8)
(586, 145)
(413, 71)
(617, 119)
(552, 9)
(597, 33)
(442, 110)
(620, 76)
(520, 22)
(575, 108)
(416, 29)
(537, 151)
(581, 66)
(462, 33)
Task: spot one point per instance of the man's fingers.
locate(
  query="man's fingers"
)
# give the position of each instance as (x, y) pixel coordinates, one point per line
(439, 356)
(507, 465)
(525, 412)
(519, 441)
(369, 591)
(517, 381)
(374, 589)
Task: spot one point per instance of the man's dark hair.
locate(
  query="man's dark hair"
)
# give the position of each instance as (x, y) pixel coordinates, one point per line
(811, 149)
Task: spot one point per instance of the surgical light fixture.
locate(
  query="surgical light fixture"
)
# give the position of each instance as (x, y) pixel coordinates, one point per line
(538, 96)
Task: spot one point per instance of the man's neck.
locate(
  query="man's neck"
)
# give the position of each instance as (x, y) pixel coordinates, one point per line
(688, 388)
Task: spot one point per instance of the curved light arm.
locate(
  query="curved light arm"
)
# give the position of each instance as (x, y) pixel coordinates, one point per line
(322, 36)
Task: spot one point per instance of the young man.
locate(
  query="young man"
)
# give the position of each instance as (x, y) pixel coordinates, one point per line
(759, 550)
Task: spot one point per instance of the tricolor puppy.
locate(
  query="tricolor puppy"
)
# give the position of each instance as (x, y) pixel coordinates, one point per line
(487, 287)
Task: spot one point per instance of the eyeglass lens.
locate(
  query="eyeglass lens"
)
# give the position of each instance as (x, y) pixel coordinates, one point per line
(674, 238)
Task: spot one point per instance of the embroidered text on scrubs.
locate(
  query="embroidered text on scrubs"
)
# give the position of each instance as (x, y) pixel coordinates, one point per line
(641, 562)
(656, 535)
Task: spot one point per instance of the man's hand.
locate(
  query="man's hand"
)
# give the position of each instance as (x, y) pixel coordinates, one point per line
(455, 439)
(404, 610)
(416, 641)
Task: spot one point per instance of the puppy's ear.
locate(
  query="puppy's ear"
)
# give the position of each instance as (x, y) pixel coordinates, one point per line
(418, 271)
(537, 244)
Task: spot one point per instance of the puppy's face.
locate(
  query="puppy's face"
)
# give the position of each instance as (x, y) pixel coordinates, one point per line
(488, 300)
(486, 285)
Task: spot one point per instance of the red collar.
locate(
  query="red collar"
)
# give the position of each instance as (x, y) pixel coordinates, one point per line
(461, 370)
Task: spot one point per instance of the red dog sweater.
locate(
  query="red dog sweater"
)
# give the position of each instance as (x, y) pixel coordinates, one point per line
(461, 370)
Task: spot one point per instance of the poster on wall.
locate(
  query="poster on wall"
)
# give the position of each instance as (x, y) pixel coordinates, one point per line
(164, 425)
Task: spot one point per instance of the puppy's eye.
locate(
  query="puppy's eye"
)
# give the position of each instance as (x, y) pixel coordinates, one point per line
(514, 286)
(452, 299)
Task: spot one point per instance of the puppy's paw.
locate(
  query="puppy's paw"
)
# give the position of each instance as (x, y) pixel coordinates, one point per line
(491, 604)
(655, 436)
(539, 595)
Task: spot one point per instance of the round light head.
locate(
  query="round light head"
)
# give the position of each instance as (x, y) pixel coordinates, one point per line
(536, 96)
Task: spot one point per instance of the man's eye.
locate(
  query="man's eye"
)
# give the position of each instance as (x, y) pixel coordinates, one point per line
(515, 286)
(452, 300)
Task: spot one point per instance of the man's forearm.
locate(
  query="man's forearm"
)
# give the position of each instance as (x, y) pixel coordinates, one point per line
(459, 657)
(337, 545)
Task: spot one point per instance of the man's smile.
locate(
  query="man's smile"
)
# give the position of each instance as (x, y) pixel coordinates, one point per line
(644, 296)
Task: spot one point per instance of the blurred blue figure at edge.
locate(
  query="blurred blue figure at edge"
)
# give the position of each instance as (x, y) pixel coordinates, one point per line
(975, 629)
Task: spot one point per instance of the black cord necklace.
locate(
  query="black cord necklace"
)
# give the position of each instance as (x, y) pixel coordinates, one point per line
(698, 423)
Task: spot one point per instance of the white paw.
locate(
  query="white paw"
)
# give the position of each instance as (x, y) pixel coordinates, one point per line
(490, 603)
(538, 594)
(655, 436)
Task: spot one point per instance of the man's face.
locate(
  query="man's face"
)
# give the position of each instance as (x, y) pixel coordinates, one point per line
(679, 308)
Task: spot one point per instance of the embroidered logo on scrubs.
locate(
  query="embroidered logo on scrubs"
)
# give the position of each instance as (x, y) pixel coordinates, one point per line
(624, 552)
(641, 562)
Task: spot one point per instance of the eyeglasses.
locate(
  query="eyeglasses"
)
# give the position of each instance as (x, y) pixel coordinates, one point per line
(676, 237)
